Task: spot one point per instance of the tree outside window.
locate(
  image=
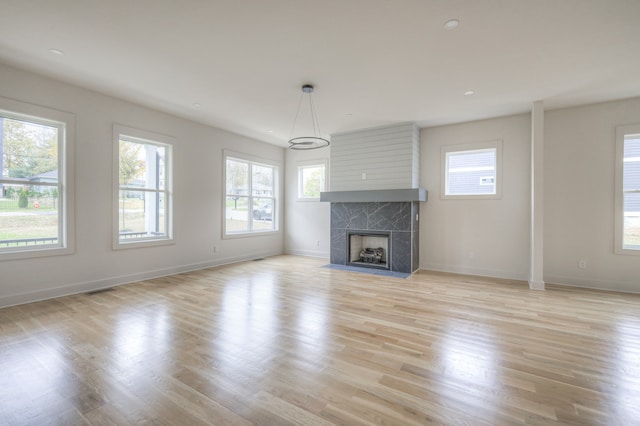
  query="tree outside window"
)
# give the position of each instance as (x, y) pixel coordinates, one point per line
(142, 200)
(29, 184)
(311, 181)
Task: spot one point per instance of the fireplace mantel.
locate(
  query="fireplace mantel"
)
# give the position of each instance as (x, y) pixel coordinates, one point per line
(375, 196)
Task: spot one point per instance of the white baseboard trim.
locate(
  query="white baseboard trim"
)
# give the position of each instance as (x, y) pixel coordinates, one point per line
(88, 286)
(536, 285)
(308, 253)
(481, 272)
(621, 286)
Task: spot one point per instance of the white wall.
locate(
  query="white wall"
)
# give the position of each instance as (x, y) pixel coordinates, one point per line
(579, 197)
(484, 237)
(480, 237)
(307, 222)
(490, 237)
(198, 186)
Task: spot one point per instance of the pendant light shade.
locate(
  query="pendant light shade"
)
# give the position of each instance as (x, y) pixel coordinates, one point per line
(307, 142)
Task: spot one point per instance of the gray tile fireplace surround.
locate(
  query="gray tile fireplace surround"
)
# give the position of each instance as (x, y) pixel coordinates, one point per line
(400, 219)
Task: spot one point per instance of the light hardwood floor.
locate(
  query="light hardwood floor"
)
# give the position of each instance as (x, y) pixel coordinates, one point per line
(284, 341)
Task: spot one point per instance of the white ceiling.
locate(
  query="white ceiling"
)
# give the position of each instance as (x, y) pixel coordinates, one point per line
(373, 62)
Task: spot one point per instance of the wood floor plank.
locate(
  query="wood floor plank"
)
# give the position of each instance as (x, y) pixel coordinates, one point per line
(287, 342)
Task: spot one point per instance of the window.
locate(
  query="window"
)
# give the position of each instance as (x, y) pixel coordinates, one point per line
(250, 200)
(628, 190)
(142, 178)
(36, 195)
(471, 170)
(311, 180)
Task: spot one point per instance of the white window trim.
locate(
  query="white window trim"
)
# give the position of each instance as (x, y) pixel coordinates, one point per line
(152, 138)
(66, 155)
(309, 163)
(621, 131)
(276, 179)
(473, 146)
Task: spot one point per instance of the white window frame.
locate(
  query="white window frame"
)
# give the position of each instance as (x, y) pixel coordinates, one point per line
(275, 198)
(494, 145)
(65, 122)
(142, 137)
(307, 165)
(621, 132)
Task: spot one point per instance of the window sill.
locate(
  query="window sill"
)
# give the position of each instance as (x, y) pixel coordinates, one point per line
(250, 234)
(143, 243)
(632, 252)
(34, 253)
(471, 197)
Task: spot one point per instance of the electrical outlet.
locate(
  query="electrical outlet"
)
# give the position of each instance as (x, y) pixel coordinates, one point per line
(317, 243)
(364, 176)
(215, 249)
(582, 264)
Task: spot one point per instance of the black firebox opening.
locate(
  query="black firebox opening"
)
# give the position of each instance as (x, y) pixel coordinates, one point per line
(370, 249)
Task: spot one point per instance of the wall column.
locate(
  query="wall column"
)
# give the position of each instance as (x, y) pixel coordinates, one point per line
(536, 263)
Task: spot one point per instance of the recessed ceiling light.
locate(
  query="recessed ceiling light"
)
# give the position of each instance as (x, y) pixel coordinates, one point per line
(196, 105)
(348, 115)
(56, 52)
(469, 93)
(451, 24)
(269, 131)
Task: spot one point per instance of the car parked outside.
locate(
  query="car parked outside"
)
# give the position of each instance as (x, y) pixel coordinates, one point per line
(263, 212)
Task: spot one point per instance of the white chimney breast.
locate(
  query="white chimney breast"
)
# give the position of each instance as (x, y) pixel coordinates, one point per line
(377, 158)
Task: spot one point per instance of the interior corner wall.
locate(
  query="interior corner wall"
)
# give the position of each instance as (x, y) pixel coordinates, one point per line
(198, 197)
(579, 187)
(479, 237)
(308, 223)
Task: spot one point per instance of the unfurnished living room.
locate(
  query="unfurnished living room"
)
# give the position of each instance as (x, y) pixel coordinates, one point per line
(330, 212)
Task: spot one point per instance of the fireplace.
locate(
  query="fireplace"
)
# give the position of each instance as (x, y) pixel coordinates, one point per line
(368, 249)
(375, 187)
(397, 221)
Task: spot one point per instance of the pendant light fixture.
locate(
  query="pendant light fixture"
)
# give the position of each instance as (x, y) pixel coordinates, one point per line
(307, 142)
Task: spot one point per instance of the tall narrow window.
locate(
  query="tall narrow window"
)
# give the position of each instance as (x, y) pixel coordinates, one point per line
(250, 196)
(471, 171)
(35, 214)
(628, 190)
(311, 180)
(143, 205)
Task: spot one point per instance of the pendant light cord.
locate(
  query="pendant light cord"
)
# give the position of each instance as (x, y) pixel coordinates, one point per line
(307, 142)
(295, 120)
(314, 118)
